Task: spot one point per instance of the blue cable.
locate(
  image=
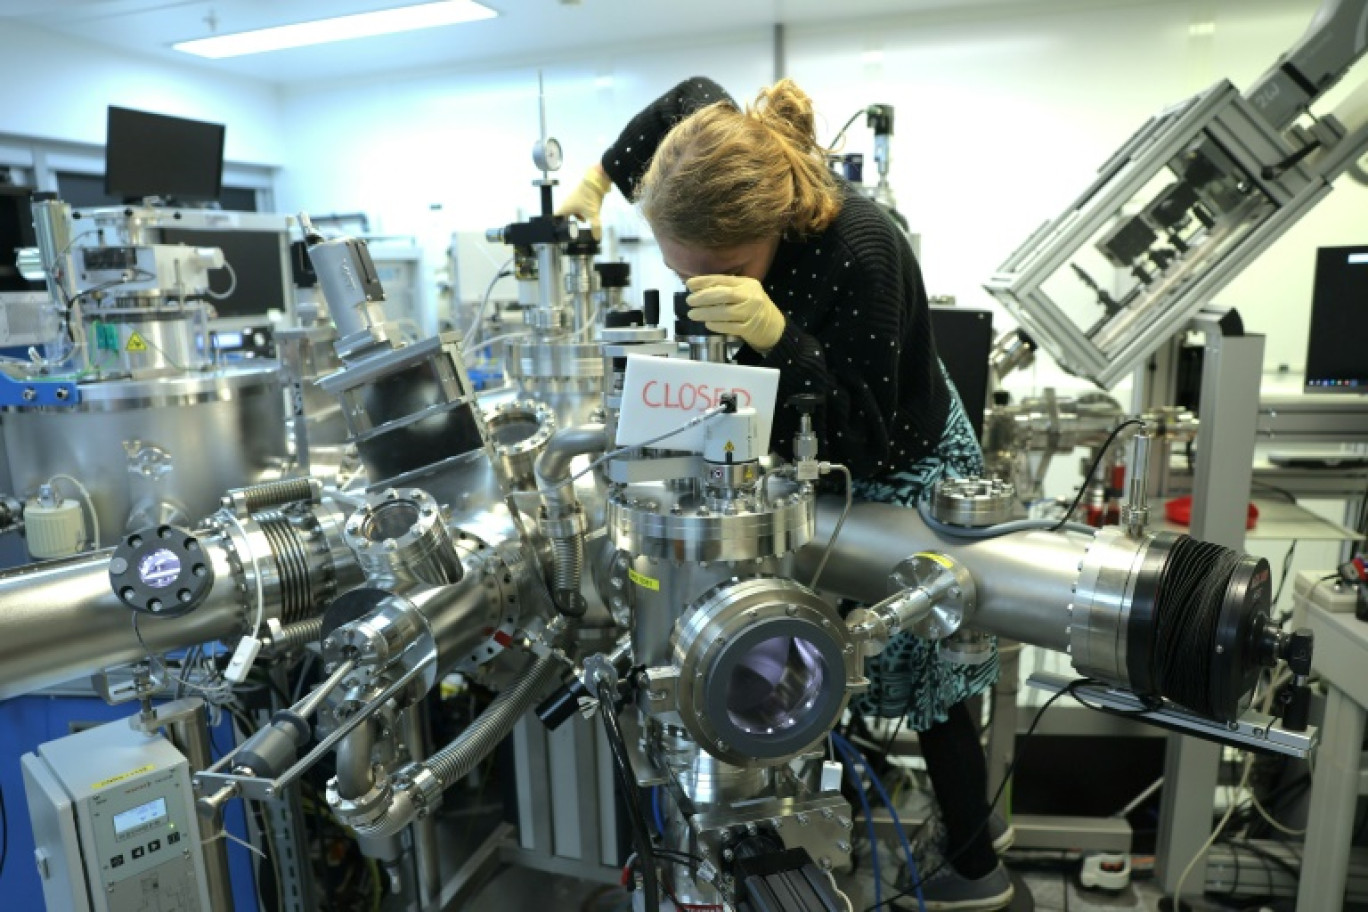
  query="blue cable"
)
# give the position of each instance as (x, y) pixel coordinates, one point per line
(854, 756)
(655, 811)
(869, 821)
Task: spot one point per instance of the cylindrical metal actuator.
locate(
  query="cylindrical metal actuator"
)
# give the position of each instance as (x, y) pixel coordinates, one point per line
(1025, 580)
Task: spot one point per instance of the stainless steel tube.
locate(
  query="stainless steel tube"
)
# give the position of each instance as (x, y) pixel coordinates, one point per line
(190, 735)
(459, 617)
(413, 727)
(1025, 580)
(354, 776)
(62, 620)
(455, 761)
(553, 466)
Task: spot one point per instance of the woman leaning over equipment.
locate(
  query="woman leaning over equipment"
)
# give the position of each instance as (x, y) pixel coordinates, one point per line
(821, 284)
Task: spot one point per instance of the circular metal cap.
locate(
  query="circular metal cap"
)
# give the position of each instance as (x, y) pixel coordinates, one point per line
(764, 670)
(1244, 614)
(922, 571)
(162, 570)
(972, 502)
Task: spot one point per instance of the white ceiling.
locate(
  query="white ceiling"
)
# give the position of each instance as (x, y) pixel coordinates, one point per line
(523, 28)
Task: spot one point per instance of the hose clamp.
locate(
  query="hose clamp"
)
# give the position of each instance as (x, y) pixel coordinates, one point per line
(422, 786)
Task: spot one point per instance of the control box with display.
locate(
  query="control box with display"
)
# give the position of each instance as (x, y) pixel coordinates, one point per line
(114, 823)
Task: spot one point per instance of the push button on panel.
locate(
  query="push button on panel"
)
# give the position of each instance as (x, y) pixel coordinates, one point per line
(116, 861)
(154, 845)
(138, 852)
(172, 838)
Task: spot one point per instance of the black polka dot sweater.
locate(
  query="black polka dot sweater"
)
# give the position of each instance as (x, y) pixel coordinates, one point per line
(858, 327)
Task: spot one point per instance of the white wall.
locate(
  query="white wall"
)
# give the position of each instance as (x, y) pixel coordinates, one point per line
(1002, 122)
(55, 87)
(432, 153)
(1002, 118)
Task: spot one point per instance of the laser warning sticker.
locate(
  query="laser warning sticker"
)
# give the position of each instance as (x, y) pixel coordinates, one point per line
(136, 343)
(644, 581)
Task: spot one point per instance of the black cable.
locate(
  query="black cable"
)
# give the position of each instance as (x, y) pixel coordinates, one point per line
(841, 135)
(1286, 566)
(888, 745)
(677, 855)
(641, 833)
(1087, 479)
(1291, 498)
(1273, 172)
(1263, 854)
(1007, 777)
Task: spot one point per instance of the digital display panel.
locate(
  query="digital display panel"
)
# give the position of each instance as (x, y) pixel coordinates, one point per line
(139, 816)
(1335, 362)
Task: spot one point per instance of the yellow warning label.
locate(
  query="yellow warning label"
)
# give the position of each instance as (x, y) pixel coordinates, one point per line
(730, 447)
(136, 343)
(105, 783)
(643, 580)
(938, 558)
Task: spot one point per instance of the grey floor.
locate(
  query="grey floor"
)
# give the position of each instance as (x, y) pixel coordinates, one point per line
(517, 889)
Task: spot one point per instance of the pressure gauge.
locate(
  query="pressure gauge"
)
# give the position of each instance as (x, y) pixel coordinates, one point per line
(547, 154)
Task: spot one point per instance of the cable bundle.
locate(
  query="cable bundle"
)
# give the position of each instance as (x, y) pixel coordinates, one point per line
(1187, 612)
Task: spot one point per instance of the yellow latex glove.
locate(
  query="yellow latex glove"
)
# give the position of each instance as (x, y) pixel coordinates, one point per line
(737, 306)
(586, 200)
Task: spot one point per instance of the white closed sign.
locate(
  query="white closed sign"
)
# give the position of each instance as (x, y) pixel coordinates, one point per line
(659, 394)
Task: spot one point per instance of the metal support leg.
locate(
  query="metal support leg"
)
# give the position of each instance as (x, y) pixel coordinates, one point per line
(414, 724)
(1190, 777)
(189, 732)
(1002, 733)
(1231, 372)
(284, 817)
(1334, 790)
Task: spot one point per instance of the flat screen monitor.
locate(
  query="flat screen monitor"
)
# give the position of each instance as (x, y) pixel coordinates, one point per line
(1336, 359)
(259, 261)
(150, 154)
(964, 339)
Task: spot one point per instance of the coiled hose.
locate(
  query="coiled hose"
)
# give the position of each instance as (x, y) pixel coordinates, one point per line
(300, 633)
(568, 554)
(455, 761)
(277, 493)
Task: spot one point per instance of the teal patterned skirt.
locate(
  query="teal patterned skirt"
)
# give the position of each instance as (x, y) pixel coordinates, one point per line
(909, 676)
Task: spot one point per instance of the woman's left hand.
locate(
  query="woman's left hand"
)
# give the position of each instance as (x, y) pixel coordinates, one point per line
(737, 306)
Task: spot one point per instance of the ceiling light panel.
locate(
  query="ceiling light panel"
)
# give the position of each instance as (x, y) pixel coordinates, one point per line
(339, 28)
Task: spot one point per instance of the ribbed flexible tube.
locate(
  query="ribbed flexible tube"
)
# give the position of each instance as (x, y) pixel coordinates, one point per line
(569, 564)
(300, 633)
(277, 493)
(455, 761)
(291, 557)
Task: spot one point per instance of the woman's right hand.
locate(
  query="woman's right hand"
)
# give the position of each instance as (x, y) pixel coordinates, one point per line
(586, 200)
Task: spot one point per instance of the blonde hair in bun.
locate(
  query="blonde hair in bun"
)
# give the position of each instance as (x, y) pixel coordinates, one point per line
(723, 176)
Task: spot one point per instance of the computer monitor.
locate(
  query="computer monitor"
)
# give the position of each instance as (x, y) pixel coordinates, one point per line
(260, 261)
(964, 339)
(16, 231)
(1335, 355)
(150, 154)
